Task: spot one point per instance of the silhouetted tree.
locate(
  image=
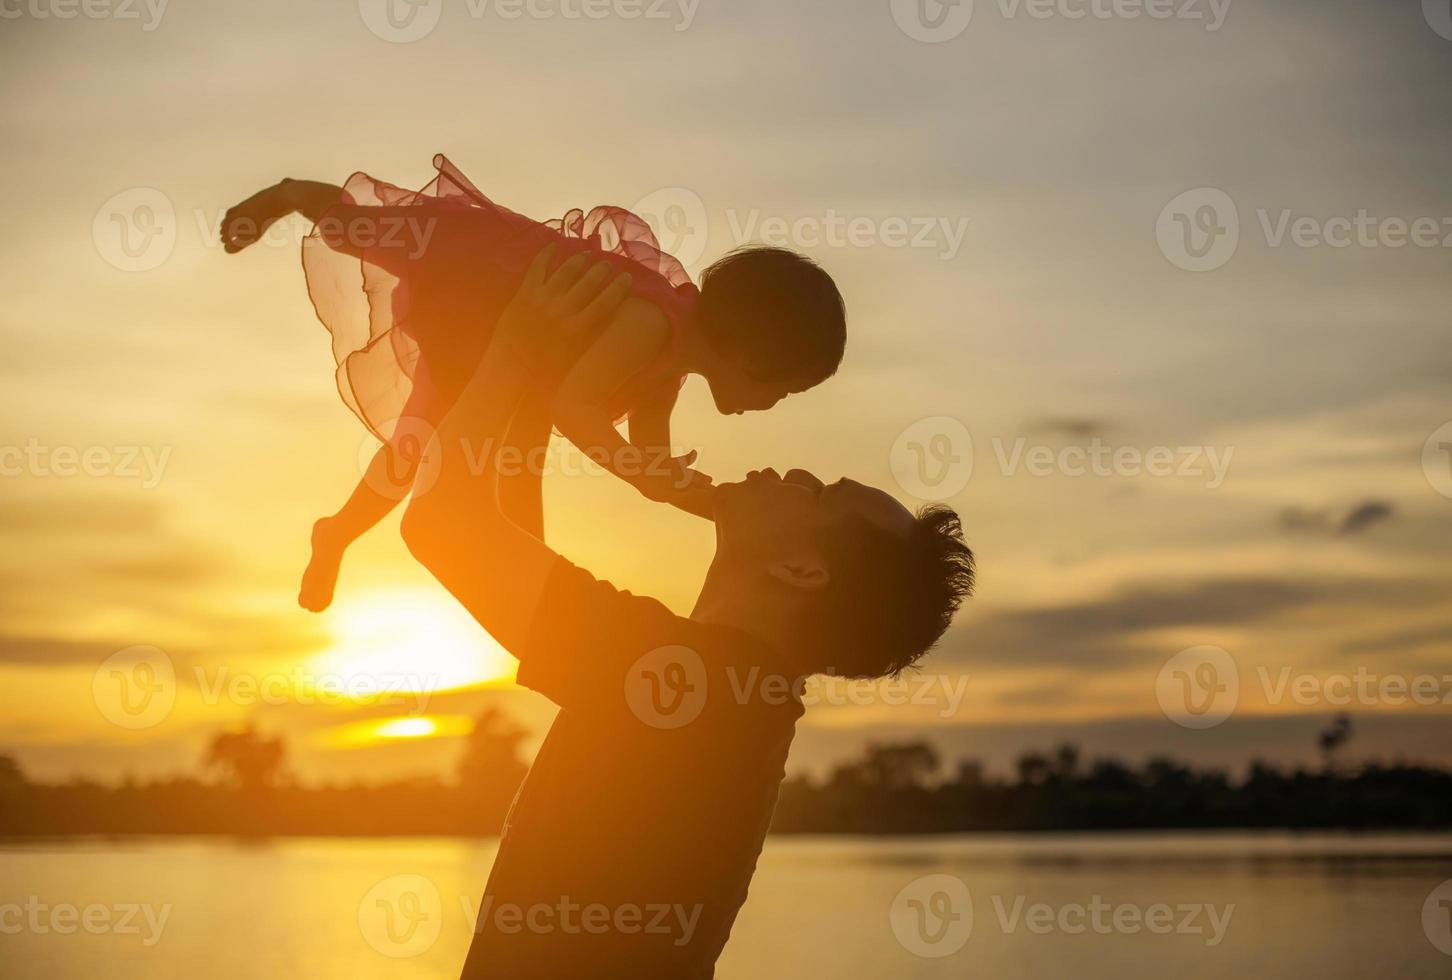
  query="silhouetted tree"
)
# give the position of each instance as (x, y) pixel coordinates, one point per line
(1333, 737)
(895, 767)
(492, 752)
(249, 761)
(10, 775)
(1033, 768)
(1066, 761)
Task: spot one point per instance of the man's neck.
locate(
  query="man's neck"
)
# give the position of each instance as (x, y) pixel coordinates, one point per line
(726, 601)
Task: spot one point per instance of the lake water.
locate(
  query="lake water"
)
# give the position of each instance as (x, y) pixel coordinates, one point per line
(1086, 906)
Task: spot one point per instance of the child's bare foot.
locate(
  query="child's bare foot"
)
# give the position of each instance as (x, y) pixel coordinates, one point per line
(321, 576)
(244, 223)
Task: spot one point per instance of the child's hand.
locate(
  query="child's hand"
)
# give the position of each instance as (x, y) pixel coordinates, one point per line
(669, 478)
(246, 222)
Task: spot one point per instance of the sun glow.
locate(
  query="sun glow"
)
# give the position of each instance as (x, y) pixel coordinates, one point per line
(407, 728)
(409, 641)
(364, 733)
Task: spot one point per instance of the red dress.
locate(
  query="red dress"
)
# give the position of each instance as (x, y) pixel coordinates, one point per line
(411, 283)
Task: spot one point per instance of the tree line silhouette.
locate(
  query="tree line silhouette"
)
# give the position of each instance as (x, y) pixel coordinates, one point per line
(898, 788)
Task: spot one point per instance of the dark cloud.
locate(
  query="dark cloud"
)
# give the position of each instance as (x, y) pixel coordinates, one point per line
(137, 513)
(1068, 427)
(1401, 641)
(163, 569)
(1113, 631)
(1358, 518)
(1365, 514)
(51, 651)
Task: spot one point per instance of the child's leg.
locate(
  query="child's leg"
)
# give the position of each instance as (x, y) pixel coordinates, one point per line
(382, 487)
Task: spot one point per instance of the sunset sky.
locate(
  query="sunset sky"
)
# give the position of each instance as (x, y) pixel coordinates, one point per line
(993, 206)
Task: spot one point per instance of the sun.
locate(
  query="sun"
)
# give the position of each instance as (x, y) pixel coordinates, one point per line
(409, 640)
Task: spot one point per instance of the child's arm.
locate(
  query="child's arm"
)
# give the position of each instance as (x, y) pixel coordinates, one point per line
(632, 340)
(245, 223)
(650, 430)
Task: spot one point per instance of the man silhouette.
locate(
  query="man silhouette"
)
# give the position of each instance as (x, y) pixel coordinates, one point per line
(630, 846)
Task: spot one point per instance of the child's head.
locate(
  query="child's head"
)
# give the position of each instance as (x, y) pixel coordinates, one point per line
(775, 322)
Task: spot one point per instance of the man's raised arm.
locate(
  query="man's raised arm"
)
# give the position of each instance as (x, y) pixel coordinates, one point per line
(454, 526)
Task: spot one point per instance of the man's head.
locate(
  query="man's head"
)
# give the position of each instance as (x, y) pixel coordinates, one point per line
(775, 323)
(848, 577)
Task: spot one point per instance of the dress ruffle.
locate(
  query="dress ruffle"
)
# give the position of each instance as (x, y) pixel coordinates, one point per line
(411, 312)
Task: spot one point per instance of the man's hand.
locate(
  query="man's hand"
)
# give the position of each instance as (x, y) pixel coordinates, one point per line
(550, 307)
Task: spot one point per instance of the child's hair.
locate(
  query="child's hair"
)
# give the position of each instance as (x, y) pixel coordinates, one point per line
(779, 309)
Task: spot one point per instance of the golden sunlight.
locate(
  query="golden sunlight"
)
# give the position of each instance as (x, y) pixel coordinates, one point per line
(363, 733)
(409, 640)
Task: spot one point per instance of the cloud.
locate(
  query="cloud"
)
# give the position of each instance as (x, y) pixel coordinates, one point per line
(1116, 630)
(1069, 427)
(1364, 515)
(1402, 641)
(1358, 518)
(91, 514)
(53, 651)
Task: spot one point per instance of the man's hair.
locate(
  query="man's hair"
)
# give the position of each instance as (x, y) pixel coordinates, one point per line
(890, 598)
(780, 309)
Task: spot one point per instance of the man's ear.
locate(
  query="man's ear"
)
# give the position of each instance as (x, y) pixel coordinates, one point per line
(802, 573)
